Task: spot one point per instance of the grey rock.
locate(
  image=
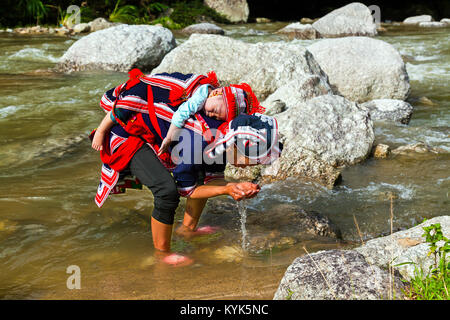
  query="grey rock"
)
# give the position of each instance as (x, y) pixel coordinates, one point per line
(119, 48)
(263, 20)
(381, 151)
(299, 31)
(233, 10)
(336, 275)
(354, 19)
(418, 19)
(403, 246)
(203, 28)
(362, 69)
(318, 135)
(99, 24)
(445, 20)
(389, 109)
(82, 27)
(333, 128)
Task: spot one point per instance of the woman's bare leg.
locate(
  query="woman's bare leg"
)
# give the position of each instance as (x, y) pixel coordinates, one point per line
(194, 209)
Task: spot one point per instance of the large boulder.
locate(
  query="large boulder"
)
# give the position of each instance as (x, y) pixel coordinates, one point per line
(389, 110)
(119, 48)
(233, 10)
(362, 68)
(403, 247)
(319, 136)
(336, 275)
(267, 67)
(354, 19)
(418, 19)
(334, 129)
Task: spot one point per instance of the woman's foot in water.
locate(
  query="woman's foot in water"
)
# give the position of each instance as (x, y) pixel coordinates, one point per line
(173, 259)
(188, 233)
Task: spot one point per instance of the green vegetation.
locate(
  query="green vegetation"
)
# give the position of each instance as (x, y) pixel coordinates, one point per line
(434, 284)
(173, 14)
(34, 9)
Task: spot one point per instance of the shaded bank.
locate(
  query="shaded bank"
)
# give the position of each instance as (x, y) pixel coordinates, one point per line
(286, 10)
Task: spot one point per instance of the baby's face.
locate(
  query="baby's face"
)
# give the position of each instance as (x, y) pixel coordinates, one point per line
(215, 107)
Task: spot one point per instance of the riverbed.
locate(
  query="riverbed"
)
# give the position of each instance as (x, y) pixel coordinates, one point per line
(49, 175)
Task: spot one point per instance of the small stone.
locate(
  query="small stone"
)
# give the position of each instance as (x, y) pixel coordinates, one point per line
(426, 101)
(263, 20)
(82, 27)
(307, 20)
(205, 28)
(381, 151)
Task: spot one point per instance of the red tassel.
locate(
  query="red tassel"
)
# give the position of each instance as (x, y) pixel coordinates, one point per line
(135, 75)
(211, 78)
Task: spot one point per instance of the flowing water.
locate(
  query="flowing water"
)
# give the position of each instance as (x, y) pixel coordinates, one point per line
(49, 175)
(242, 205)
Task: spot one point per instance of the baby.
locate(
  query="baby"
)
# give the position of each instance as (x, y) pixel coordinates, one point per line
(205, 97)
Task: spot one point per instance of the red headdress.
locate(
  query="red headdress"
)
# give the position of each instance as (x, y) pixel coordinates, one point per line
(239, 98)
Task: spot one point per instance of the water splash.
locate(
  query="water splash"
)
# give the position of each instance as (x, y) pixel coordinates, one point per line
(242, 207)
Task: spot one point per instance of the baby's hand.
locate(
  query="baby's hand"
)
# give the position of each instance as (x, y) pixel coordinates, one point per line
(97, 141)
(164, 145)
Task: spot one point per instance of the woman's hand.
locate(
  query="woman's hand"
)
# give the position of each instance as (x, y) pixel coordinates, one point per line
(242, 190)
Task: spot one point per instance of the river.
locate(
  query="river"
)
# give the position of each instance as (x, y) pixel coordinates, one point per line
(49, 175)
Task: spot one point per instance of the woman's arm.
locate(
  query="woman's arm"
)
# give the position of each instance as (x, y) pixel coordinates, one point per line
(219, 187)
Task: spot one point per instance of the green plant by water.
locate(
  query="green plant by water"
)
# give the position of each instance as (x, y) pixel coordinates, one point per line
(434, 284)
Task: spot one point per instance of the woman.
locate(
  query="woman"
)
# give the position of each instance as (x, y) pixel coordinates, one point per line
(143, 108)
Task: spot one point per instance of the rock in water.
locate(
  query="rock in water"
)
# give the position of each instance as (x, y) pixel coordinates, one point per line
(389, 109)
(203, 28)
(381, 151)
(233, 10)
(299, 31)
(418, 19)
(119, 48)
(354, 19)
(81, 27)
(333, 128)
(336, 275)
(362, 69)
(100, 24)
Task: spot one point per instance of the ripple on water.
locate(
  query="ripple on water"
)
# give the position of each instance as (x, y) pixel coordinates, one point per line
(33, 54)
